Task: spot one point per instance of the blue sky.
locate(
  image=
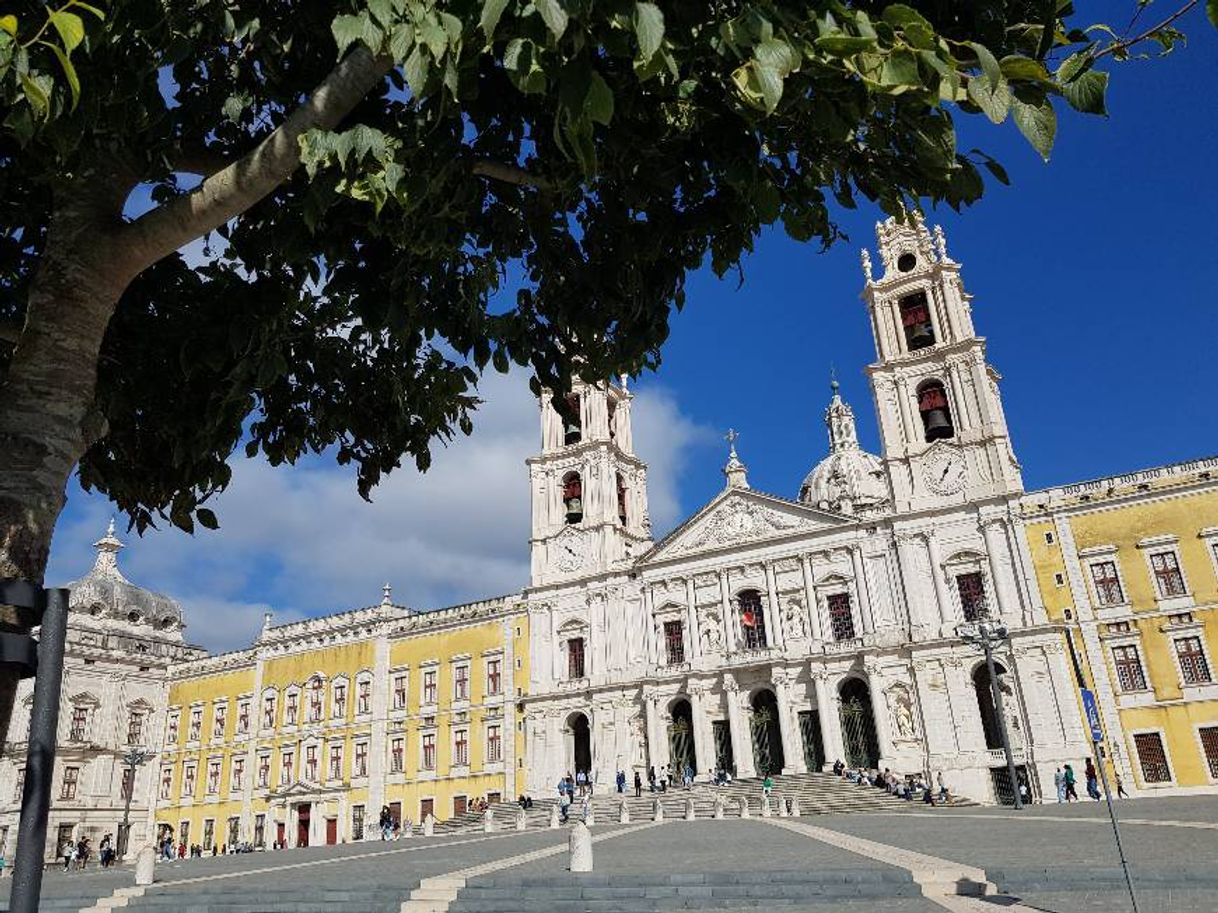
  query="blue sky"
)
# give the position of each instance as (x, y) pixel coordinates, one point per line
(1094, 278)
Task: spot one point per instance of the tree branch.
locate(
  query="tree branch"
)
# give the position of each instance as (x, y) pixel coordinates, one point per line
(1125, 43)
(197, 159)
(235, 188)
(509, 174)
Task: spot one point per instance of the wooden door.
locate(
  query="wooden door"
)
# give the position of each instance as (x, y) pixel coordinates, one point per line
(280, 836)
(493, 798)
(331, 831)
(302, 824)
(460, 803)
(427, 807)
(395, 812)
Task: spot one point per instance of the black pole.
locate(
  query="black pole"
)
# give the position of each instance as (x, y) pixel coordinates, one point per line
(988, 646)
(40, 757)
(124, 830)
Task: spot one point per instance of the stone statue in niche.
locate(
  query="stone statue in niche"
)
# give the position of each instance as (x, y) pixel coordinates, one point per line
(712, 633)
(796, 621)
(636, 742)
(900, 706)
(1010, 709)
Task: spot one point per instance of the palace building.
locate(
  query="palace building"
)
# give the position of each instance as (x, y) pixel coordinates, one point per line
(765, 633)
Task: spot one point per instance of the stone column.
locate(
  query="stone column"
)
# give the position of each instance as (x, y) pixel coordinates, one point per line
(773, 610)
(649, 626)
(830, 718)
(725, 616)
(742, 741)
(691, 619)
(813, 609)
(653, 737)
(902, 387)
(792, 749)
(860, 583)
(946, 616)
(879, 712)
(380, 713)
(995, 544)
(704, 756)
(962, 416)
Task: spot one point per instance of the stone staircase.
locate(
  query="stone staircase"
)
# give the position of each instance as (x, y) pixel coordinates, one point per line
(234, 897)
(818, 794)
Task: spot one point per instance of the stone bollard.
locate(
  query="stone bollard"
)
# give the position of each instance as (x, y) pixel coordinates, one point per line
(522, 820)
(718, 808)
(407, 830)
(782, 806)
(429, 825)
(581, 848)
(145, 865)
(766, 810)
(657, 810)
(488, 821)
(689, 810)
(553, 816)
(589, 814)
(744, 807)
(795, 812)
(623, 813)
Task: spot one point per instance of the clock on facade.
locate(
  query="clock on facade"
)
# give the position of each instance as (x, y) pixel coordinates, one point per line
(571, 552)
(944, 471)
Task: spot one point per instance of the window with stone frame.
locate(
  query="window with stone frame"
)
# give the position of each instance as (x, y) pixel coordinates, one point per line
(674, 642)
(494, 676)
(575, 658)
(461, 682)
(361, 760)
(20, 784)
(135, 727)
(363, 696)
(1107, 583)
(1152, 757)
(1168, 578)
(357, 822)
(494, 744)
(841, 616)
(429, 686)
(126, 787)
(243, 717)
(166, 782)
(397, 756)
(461, 748)
(311, 763)
(1128, 664)
(971, 587)
(338, 707)
(1194, 669)
(238, 775)
(399, 692)
(752, 620)
(79, 727)
(291, 708)
(188, 780)
(336, 762)
(264, 771)
(1209, 746)
(268, 712)
(171, 728)
(196, 724)
(316, 700)
(287, 761)
(260, 830)
(429, 751)
(213, 778)
(219, 718)
(209, 833)
(67, 788)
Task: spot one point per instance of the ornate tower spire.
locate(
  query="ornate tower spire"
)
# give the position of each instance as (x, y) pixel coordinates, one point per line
(839, 419)
(735, 471)
(108, 547)
(387, 594)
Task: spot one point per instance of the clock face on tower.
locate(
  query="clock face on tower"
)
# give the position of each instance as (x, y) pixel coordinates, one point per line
(570, 553)
(944, 471)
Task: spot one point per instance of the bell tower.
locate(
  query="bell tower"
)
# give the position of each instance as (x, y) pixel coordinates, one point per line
(945, 438)
(588, 489)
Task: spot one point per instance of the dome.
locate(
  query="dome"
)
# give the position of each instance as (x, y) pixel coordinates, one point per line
(849, 479)
(104, 592)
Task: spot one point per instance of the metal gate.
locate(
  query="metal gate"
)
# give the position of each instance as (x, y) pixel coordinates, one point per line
(724, 758)
(858, 734)
(681, 748)
(767, 742)
(809, 731)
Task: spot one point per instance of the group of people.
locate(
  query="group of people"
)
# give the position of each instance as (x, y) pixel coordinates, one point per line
(570, 788)
(389, 826)
(1066, 782)
(909, 788)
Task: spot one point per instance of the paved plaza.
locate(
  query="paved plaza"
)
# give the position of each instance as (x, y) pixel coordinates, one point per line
(1048, 858)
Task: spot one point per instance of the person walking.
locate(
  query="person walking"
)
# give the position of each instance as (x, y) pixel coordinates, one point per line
(1093, 786)
(767, 786)
(1068, 774)
(638, 785)
(1121, 794)
(651, 777)
(621, 781)
(66, 853)
(581, 782)
(1059, 783)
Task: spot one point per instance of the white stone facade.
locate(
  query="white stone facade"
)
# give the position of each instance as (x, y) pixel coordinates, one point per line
(121, 641)
(639, 649)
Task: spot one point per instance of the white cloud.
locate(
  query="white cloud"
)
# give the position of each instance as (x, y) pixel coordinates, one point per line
(301, 542)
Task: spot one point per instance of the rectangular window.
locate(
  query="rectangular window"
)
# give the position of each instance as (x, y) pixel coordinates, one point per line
(234, 830)
(429, 686)
(20, 788)
(1180, 618)
(336, 762)
(1119, 627)
(494, 676)
(1167, 574)
(196, 724)
(311, 763)
(1107, 583)
(1209, 745)
(461, 748)
(286, 761)
(361, 759)
(397, 756)
(293, 708)
(80, 723)
(188, 780)
(268, 712)
(238, 774)
(264, 771)
(494, 744)
(217, 729)
(1149, 746)
(461, 683)
(752, 620)
(841, 618)
(1193, 667)
(971, 588)
(184, 832)
(213, 778)
(315, 701)
(399, 692)
(71, 775)
(575, 658)
(429, 751)
(1128, 668)
(135, 728)
(171, 731)
(259, 830)
(357, 822)
(209, 833)
(674, 642)
(339, 706)
(127, 784)
(243, 717)
(363, 699)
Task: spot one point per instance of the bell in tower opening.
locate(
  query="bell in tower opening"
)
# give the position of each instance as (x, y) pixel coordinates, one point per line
(573, 497)
(915, 318)
(936, 413)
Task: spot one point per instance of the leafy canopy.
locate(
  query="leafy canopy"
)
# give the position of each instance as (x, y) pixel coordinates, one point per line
(531, 184)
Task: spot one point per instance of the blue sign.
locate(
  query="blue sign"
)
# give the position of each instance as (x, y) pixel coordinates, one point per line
(1092, 710)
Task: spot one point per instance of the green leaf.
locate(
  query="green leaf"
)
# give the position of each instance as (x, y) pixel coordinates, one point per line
(70, 27)
(417, 67)
(995, 103)
(843, 45)
(649, 28)
(401, 41)
(554, 15)
(989, 64)
(998, 171)
(598, 104)
(1038, 124)
(1016, 67)
(347, 30)
(80, 4)
(777, 55)
(382, 11)
(37, 92)
(766, 202)
(207, 518)
(1086, 92)
(898, 15)
(901, 69)
(492, 10)
(9, 24)
(435, 36)
(69, 71)
(1211, 10)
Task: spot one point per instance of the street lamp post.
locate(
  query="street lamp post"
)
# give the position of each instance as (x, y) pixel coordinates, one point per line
(134, 759)
(988, 635)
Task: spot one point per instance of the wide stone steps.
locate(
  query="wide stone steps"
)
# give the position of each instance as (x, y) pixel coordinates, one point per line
(263, 898)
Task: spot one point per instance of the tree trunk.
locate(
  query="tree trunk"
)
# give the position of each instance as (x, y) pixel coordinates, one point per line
(47, 419)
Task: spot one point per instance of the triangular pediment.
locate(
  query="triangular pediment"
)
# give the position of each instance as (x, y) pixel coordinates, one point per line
(739, 517)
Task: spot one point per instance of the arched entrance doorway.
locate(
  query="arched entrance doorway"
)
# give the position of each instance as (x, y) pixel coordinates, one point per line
(985, 704)
(767, 734)
(681, 739)
(579, 744)
(858, 725)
